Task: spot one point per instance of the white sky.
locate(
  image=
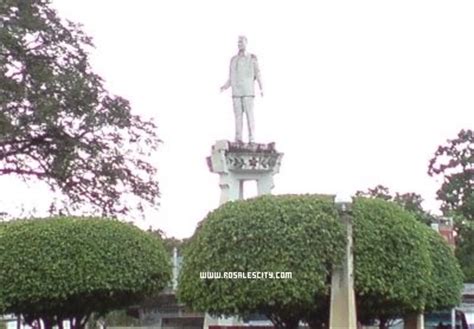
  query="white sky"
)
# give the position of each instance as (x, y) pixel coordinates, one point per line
(357, 93)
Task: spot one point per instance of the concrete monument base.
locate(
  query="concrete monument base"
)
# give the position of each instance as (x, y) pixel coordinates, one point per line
(237, 162)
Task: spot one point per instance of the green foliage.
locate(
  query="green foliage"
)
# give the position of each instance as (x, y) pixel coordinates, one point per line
(169, 243)
(60, 268)
(391, 262)
(465, 249)
(401, 265)
(454, 162)
(379, 191)
(57, 121)
(301, 234)
(447, 278)
(412, 203)
(408, 201)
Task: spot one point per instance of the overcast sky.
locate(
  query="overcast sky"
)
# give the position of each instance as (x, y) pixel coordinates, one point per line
(357, 93)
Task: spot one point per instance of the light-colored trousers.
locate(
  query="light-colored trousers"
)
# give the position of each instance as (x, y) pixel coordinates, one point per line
(243, 105)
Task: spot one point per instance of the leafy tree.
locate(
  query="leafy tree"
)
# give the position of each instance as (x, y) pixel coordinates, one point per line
(61, 268)
(454, 162)
(447, 278)
(465, 249)
(401, 266)
(379, 191)
(391, 261)
(301, 234)
(57, 121)
(169, 242)
(409, 201)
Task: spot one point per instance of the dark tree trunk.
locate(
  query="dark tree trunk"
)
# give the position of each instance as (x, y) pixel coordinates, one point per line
(48, 323)
(18, 321)
(60, 324)
(383, 323)
(286, 322)
(291, 323)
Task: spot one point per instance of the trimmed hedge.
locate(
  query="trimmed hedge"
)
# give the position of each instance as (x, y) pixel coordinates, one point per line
(401, 266)
(301, 234)
(60, 268)
(447, 277)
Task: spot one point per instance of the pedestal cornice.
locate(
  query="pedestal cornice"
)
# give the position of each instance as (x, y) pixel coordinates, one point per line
(242, 157)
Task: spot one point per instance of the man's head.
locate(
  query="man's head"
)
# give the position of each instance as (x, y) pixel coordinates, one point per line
(242, 43)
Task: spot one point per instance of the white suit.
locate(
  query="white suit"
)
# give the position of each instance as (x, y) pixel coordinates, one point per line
(243, 71)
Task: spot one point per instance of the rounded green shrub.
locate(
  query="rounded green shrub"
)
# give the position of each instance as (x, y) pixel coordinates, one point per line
(61, 268)
(401, 266)
(447, 277)
(301, 234)
(391, 260)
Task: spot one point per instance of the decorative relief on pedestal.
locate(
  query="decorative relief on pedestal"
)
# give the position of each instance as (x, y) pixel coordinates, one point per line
(242, 157)
(239, 162)
(254, 162)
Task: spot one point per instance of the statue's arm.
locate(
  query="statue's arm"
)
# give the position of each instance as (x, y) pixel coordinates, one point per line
(227, 84)
(257, 74)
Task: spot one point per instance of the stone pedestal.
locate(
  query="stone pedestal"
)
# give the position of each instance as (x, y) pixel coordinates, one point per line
(236, 163)
(342, 308)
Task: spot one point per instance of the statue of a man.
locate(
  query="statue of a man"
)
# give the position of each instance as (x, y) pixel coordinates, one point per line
(243, 72)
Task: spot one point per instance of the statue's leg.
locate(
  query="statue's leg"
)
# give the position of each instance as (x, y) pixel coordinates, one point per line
(238, 112)
(248, 109)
